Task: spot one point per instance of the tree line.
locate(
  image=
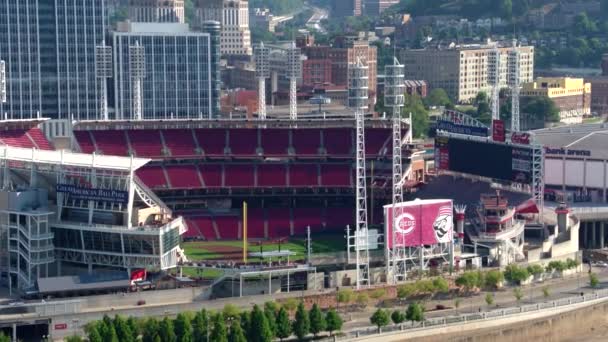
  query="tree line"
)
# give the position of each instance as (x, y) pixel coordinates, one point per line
(229, 325)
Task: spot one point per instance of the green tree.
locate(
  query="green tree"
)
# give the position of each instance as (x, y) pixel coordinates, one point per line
(200, 324)
(489, 299)
(123, 330)
(437, 97)
(406, 291)
(518, 294)
(493, 279)
(259, 330)
(92, 334)
(414, 312)
(441, 285)
(74, 338)
(516, 274)
(270, 312)
(344, 296)
(420, 115)
(541, 108)
(333, 321)
(506, 9)
(150, 330)
(283, 324)
(219, 333)
(236, 333)
(245, 319)
(594, 281)
(398, 317)
(546, 292)
(301, 326)
(317, 321)
(166, 332)
(571, 263)
(378, 294)
(468, 280)
(4, 338)
(362, 299)
(291, 304)
(183, 328)
(134, 325)
(535, 270)
(230, 312)
(379, 318)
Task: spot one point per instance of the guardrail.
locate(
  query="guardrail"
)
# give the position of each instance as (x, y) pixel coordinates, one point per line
(472, 317)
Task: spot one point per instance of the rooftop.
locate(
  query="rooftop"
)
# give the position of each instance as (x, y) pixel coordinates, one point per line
(591, 138)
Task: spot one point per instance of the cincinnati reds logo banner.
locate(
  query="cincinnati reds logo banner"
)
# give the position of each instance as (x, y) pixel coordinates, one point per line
(419, 222)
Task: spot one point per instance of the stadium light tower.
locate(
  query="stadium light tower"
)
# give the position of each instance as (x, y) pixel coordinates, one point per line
(494, 81)
(358, 100)
(394, 98)
(103, 71)
(2, 82)
(294, 65)
(262, 72)
(514, 83)
(137, 67)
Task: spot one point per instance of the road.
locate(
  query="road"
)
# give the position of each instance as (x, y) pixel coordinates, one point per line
(314, 22)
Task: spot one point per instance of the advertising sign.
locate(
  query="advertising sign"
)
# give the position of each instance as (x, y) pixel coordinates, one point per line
(461, 129)
(94, 194)
(138, 275)
(498, 130)
(372, 239)
(442, 153)
(521, 165)
(418, 223)
(520, 138)
(61, 326)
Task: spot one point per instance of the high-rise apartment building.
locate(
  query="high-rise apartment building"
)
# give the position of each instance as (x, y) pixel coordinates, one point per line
(157, 11)
(235, 36)
(346, 8)
(462, 71)
(49, 50)
(376, 7)
(180, 78)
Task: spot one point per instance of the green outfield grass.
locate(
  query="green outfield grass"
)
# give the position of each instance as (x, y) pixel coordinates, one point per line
(212, 250)
(194, 272)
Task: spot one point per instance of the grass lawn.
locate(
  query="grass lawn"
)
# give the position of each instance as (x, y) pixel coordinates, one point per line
(200, 250)
(195, 272)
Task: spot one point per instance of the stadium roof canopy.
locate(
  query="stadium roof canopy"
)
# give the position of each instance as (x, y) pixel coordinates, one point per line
(71, 159)
(590, 137)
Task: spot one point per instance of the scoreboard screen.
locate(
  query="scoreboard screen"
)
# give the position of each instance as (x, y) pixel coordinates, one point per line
(485, 159)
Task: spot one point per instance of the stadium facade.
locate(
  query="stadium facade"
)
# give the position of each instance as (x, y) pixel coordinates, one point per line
(63, 211)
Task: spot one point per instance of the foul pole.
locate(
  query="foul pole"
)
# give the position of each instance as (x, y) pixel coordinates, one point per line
(245, 232)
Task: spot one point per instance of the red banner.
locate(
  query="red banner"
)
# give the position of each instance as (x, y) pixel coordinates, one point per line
(138, 275)
(61, 326)
(421, 222)
(498, 130)
(520, 138)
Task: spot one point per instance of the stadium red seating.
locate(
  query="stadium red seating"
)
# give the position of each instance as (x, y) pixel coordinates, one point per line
(183, 176)
(228, 227)
(275, 142)
(205, 227)
(212, 141)
(239, 175)
(84, 141)
(243, 142)
(16, 138)
(303, 175)
(180, 142)
(306, 142)
(39, 139)
(271, 175)
(375, 139)
(193, 232)
(146, 142)
(278, 223)
(152, 176)
(111, 142)
(338, 218)
(212, 175)
(255, 223)
(304, 217)
(336, 175)
(338, 141)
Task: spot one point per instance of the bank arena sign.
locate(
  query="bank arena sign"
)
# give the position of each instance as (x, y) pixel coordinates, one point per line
(94, 194)
(567, 152)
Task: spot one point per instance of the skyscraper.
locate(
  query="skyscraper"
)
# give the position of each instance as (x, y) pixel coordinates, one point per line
(180, 78)
(157, 11)
(234, 16)
(49, 49)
